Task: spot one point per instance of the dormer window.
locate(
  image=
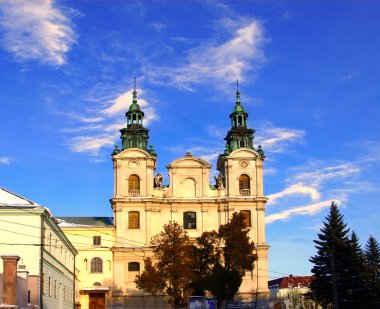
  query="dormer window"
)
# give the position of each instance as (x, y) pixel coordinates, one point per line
(134, 185)
(244, 185)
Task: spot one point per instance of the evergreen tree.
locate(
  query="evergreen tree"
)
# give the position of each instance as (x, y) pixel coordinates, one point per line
(372, 259)
(330, 262)
(354, 283)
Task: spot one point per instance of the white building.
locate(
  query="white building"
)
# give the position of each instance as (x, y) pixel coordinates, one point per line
(30, 231)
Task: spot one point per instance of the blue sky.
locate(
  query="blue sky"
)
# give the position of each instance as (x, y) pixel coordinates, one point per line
(309, 78)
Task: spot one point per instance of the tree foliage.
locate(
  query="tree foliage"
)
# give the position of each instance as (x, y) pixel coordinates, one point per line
(217, 262)
(345, 276)
(172, 274)
(372, 259)
(329, 262)
(222, 259)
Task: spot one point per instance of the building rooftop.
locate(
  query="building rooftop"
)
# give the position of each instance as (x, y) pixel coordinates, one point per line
(85, 221)
(290, 282)
(8, 198)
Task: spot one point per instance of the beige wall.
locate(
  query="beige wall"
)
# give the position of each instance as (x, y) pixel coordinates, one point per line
(82, 238)
(189, 190)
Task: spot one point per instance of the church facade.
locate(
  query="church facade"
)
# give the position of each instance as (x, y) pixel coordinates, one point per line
(114, 248)
(142, 205)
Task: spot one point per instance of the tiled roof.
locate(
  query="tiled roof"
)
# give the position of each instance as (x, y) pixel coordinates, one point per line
(290, 282)
(85, 221)
(8, 198)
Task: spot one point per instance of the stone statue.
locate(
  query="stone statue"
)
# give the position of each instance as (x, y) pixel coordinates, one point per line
(219, 181)
(158, 181)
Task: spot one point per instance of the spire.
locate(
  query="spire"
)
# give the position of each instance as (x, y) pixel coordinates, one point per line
(134, 135)
(134, 92)
(237, 92)
(240, 136)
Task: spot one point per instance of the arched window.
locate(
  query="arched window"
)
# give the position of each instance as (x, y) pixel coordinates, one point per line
(189, 220)
(247, 217)
(242, 143)
(134, 266)
(244, 185)
(96, 265)
(134, 185)
(133, 220)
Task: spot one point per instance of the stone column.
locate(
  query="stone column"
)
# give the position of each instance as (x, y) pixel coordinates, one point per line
(9, 280)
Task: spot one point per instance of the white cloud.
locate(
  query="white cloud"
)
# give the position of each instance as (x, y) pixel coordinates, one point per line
(91, 143)
(278, 140)
(216, 63)
(320, 175)
(300, 210)
(295, 189)
(36, 30)
(106, 119)
(5, 160)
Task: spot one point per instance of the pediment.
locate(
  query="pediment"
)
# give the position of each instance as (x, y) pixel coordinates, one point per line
(189, 162)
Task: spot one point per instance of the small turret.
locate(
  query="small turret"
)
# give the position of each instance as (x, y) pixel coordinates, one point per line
(134, 135)
(239, 136)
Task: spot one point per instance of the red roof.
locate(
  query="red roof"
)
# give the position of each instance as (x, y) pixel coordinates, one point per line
(290, 282)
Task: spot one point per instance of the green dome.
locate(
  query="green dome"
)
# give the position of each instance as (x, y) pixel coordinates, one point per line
(239, 108)
(134, 107)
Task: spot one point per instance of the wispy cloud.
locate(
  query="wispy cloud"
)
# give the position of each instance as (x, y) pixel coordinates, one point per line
(296, 189)
(106, 119)
(300, 210)
(319, 175)
(276, 139)
(36, 30)
(5, 160)
(215, 62)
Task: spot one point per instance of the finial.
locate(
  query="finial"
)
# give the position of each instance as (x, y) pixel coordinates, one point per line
(134, 92)
(237, 92)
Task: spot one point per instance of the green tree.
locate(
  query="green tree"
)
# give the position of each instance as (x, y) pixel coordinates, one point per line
(330, 262)
(354, 277)
(172, 273)
(372, 260)
(224, 257)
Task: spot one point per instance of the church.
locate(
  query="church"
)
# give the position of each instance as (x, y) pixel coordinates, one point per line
(141, 205)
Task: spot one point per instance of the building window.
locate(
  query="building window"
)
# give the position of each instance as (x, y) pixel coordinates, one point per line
(96, 265)
(189, 220)
(133, 220)
(134, 185)
(96, 240)
(247, 217)
(50, 287)
(133, 266)
(244, 185)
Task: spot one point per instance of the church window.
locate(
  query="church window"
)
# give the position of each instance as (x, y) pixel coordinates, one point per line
(133, 220)
(189, 220)
(247, 217)
(134, 184)
(96, 265)
(134, 266)
(244, 185)
(96, 240)
(242, 144)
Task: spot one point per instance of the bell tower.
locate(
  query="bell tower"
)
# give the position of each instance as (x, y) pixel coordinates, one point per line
(239, 136)
(134, 135)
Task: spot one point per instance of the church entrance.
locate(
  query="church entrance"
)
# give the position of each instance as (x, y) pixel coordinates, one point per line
(97, 301)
